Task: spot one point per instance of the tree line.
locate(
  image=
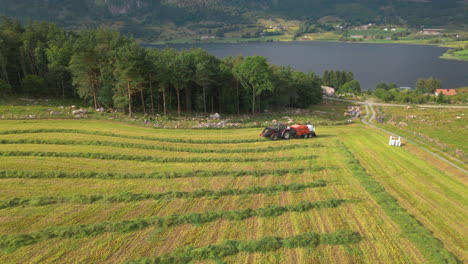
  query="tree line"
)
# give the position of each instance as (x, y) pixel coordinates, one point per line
(107, 69)
(423, 93)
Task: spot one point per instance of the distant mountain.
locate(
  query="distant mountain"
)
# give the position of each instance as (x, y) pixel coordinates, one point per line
(140, 16)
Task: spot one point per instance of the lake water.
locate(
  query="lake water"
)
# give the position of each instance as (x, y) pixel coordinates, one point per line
(402, 64)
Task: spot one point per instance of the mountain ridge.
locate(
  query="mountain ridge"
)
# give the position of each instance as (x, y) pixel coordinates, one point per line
(140, 16)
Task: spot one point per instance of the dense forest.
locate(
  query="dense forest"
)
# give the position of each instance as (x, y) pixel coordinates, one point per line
(109, 70)
(139, 17)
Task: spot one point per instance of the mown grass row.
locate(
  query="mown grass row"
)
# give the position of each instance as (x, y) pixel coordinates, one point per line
(152, 147)
(108, 134)
(108, 156)
(151, 175)
(133, 197)
(11, 242)
(265, 244)
(432, 248)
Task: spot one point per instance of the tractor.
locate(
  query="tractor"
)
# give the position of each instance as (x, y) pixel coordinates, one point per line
(283, 131)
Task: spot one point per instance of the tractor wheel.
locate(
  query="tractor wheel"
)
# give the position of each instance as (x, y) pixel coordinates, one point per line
(306, 135)
(313, 134)
(274, 137)
(287, 135)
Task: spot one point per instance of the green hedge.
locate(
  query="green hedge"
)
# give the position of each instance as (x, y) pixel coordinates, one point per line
(265, 244)
(152, 175)
(432, 248)
(164, 148)
(132, 197)
(99, 133)
(12, 242)
(109, 156)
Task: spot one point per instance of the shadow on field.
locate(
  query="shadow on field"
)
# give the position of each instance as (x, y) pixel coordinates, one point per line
(325, 136)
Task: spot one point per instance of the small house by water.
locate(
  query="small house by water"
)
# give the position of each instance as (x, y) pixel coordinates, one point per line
(446, 92)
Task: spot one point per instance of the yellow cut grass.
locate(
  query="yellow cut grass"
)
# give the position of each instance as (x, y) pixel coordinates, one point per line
(436, 198)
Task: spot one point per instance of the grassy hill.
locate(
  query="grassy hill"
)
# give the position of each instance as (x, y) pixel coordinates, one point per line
(99, 191)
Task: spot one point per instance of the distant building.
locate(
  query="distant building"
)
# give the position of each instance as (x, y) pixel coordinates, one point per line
(207, 37)
(432, 31)
(357, 36)
(328, 91)
(446, 92)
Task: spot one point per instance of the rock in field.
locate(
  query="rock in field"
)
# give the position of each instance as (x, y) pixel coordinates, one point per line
(54, 113)
(215, 116)
(79, 112)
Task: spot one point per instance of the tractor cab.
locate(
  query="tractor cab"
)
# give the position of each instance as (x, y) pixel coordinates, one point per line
(276, 131)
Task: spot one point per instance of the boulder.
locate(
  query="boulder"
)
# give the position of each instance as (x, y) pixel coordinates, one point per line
(215, 116)
(79, 112)
(403, 124)
(54, 113)
(100, 110)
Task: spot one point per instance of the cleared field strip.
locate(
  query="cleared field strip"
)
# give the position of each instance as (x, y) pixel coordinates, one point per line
(266, 144)
(437, 200)
(108, 156)
(153, 175)
(108, 127)
(147, 152)
(77, 231)
(161, 139)
(133, 197)
(432, 248)
(265, 244)
(27, 188)
(77, 165)
(154, 147)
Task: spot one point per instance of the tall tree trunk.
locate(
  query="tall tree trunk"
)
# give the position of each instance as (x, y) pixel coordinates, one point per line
(204, 98)
(32, 59)
(237, 97)
(220, 110)
(129, 100)
(212, 104)
(188, 99)
(143, 101)
(164, 100)
(151, 94)
(95, 99)
(95, 88)
(23, 62)
(178, 101)
(3, 64)
(63, 89)
(253, 101)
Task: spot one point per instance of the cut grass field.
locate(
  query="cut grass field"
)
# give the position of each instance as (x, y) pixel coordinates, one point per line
(174, 196)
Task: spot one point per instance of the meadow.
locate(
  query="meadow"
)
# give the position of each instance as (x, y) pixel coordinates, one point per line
(442, 130)
(93, 191)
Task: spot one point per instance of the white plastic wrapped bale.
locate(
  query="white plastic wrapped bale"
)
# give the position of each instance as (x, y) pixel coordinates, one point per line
(394, 141)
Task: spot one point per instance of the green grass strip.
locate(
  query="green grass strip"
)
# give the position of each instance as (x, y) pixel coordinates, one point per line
(163, 148)
(432, 248)
(99, 133)
(152, 175)
(133, 197)
(11, 242)
(266, 244)
(108, 156)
